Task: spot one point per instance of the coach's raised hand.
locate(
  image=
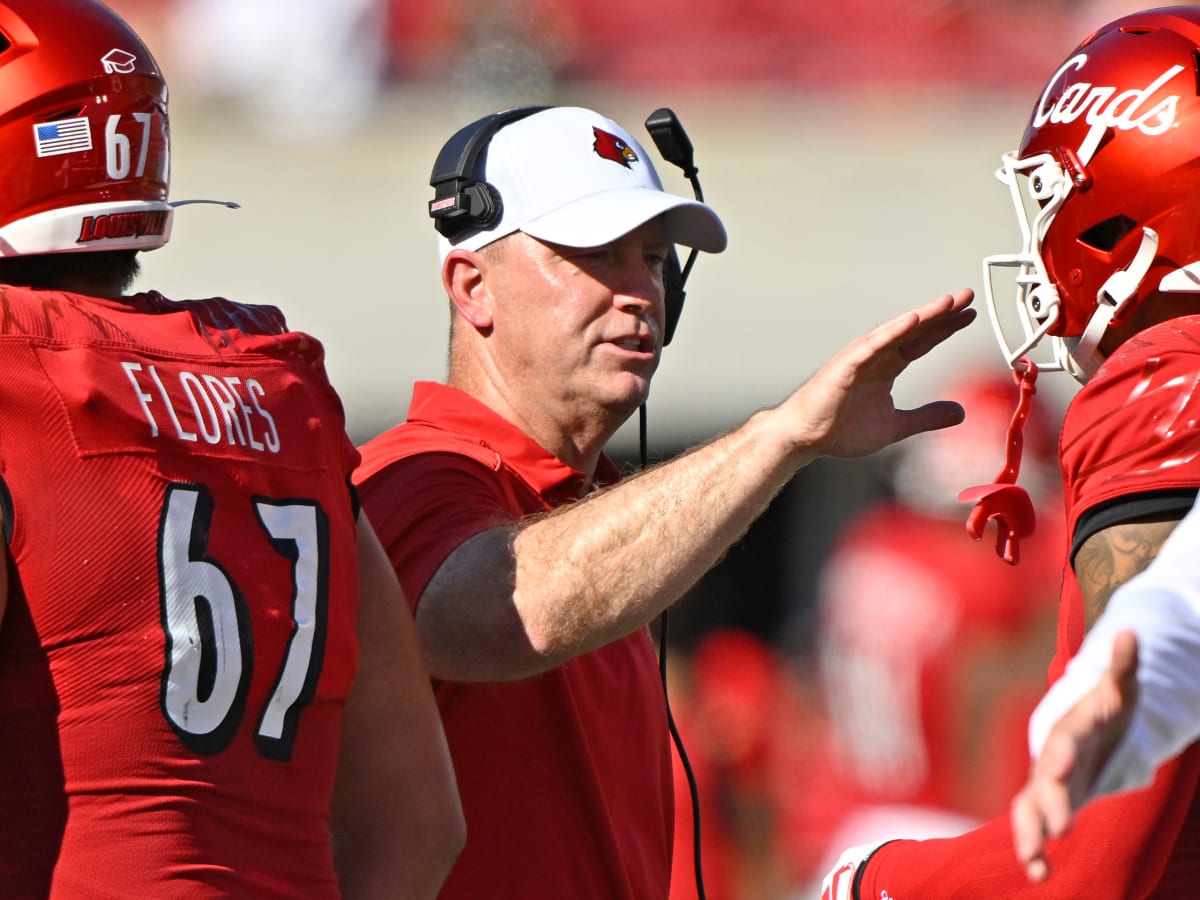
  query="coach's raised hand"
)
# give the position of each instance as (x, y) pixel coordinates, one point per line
(846, 409)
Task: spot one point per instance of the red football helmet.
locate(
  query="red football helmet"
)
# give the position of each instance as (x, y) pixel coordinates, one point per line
(1105, 185)
(84, 138)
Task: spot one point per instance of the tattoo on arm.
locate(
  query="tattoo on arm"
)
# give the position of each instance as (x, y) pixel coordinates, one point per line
(1112, 556)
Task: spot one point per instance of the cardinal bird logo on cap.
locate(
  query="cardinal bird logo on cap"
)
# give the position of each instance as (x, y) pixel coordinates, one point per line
(609, 146)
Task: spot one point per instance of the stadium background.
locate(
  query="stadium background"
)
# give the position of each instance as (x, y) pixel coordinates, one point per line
(850, 148)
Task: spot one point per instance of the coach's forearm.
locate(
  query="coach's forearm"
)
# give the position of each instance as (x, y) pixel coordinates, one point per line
(624, 555)
(510, 604)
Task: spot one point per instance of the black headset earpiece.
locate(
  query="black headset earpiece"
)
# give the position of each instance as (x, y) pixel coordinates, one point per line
(461, 203)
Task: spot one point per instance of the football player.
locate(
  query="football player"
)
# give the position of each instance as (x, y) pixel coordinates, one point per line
(1108, 279)
(188, 588)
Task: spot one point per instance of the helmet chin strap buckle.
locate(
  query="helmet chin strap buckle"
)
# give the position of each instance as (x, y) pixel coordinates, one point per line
(1115, 293)
(1005, 502)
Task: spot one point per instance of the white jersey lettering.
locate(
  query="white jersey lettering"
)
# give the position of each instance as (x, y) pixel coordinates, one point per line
(222, 408)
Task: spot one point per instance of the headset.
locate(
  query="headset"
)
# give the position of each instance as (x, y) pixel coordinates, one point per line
(463, 203)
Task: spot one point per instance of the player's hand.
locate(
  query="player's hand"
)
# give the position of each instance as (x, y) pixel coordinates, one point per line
(839, 883)
(1072, 758)
(846, 408)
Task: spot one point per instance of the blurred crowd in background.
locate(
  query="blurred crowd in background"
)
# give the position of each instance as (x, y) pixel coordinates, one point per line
(883, 692)
(306, 65)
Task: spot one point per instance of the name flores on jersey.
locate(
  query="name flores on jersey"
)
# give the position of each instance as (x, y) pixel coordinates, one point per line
(193, 407)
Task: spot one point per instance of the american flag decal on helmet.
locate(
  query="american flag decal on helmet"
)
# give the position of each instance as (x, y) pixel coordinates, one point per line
(62, 137)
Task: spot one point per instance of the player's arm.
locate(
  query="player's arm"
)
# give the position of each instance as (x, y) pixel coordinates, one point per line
(1114, 555)
(1087, 735)
(514, 601)
(1116, 847)
(397, 821)
(1075, 751)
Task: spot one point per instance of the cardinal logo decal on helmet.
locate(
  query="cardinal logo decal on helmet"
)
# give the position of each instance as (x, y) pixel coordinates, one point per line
(609, 146)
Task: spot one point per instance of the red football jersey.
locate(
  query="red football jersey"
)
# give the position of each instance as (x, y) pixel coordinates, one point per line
(1133, 430)
(183, 587)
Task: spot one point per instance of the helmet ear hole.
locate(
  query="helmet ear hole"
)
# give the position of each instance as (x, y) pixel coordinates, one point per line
(1104, 236)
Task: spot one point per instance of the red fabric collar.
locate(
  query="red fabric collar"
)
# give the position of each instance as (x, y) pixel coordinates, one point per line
(449, 409)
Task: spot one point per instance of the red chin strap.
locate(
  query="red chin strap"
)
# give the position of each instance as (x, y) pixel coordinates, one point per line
(1006, 502)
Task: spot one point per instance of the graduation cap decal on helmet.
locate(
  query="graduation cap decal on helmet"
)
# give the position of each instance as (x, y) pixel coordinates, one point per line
(118, 62)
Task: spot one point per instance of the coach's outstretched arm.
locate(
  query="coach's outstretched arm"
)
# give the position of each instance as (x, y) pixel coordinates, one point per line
(516, 600)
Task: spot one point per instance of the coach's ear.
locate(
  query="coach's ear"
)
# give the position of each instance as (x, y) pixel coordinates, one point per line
(464, 276)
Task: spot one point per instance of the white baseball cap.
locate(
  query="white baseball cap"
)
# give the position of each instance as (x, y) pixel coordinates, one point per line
(573, 177)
